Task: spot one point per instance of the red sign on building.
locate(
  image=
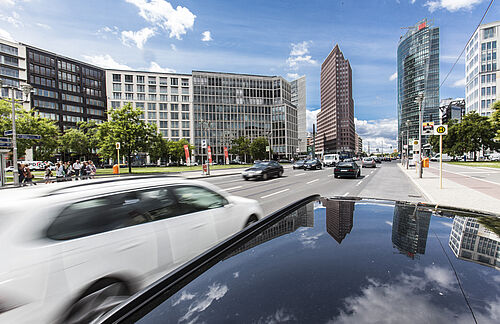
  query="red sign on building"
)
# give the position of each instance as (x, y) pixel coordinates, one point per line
(421, 26)
(186, 151)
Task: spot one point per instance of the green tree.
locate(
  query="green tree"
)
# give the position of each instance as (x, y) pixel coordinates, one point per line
(125, 127)
(495, 119)
(160, 149)
(75, 142)
(177, 149)
(28, 123)
(258, 148)
(470, 135)
(241, 147)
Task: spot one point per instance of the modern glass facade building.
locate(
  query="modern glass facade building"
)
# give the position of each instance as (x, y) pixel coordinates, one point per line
(418, 73)
(481, 69)
(243, 105)
(65, 90)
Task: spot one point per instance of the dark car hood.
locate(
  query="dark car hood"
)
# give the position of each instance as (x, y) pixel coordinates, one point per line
(346, 261)
(255, 169)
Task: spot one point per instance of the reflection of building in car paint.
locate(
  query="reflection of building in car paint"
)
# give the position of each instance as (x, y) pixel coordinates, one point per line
(472, 241)
(338, 218)
(302, 217)
(409, 229)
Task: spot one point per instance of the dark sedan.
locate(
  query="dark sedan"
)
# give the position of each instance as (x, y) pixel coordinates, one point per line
(263, 170)
(347, 169)
(313, 164)
(324, 260)
(299, 164)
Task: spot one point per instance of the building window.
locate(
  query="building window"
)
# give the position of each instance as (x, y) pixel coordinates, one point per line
(185, 107)
(174, 115)
(185, 115)
(151, 80)
(163, 115)
(152, 97)
(174, 107)
(185, 98)
(174, 90)
(139, 105)
(151, 106)
(129, 88)
(174, 98)
(163, 97)
(151, 114)
(117, 87)
(117, 95)
(185, 91)
(129, 96)
(152, 89)
(163, 80)
(185, 82)
(163, 106)
(117, 78)
(185, 133)
(141, 88)
(129, 78)
(163, 89)
(163, 124)
(115, 104)
(140, 79)
(141, 96)
(174, 81)
(174, 124)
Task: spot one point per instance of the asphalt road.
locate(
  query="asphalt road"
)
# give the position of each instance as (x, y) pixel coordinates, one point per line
(384, 182)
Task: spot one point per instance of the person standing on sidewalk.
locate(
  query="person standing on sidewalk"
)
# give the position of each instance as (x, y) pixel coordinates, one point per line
(76, 168)
(59, 172)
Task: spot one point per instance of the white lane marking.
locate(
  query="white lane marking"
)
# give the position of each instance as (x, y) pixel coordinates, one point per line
(357, 184)
(366, 176)
(232, 188)
(299, 174)
(346, 194)
(331, 175)
(312, 181)
(274, 193)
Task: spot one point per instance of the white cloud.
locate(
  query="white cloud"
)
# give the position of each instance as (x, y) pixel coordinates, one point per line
(236, 275)
(139, 37)
(184, 296)
(161, 13)
(388, 223)
(280, 316)
(459, 83)
(6, 35)
(378, 133)
(393, 76)
(298, 55)
(107, 30)
(292, 76)
(44, 26)
(308, 240)
(311, 118)
(412, 1)
(155, 67)
(13, 19)
(207, 36)
(215, 292)
(443, 277)
(105, 61)
(173, 47)
(451, 5)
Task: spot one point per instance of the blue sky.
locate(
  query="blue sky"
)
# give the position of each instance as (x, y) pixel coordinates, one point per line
(287, 38)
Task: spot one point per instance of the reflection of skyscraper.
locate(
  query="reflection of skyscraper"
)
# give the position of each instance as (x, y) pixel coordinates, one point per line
(302, 217)
(338, 218)
(409, 229)
(472, 241)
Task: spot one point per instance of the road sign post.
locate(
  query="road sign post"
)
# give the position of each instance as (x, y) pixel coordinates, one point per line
(441, 130)
(118, 155)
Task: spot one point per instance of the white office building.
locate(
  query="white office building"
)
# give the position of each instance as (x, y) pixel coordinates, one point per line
(299, 100)
(164, 98)
(12, 67)
(481, 69)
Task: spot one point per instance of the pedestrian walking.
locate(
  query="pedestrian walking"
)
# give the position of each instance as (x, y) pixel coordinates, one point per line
(93, 169)
(68, 171)
(21, 173)
(28, 179)
(76, 168)
(59, 172)
(48, 175)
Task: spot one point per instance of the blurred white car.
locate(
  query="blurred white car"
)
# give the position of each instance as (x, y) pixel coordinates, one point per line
(494, 157)
(73, 250)
(9, 169)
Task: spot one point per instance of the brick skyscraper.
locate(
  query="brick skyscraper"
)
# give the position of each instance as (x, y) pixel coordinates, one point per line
(336, 118)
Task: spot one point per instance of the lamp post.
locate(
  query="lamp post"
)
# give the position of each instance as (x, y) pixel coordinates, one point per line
(419, 100)
(26, 89)
(205, 125)
(407, 143)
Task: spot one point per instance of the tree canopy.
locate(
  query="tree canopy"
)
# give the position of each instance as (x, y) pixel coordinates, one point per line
(241, 147)
(258, 148)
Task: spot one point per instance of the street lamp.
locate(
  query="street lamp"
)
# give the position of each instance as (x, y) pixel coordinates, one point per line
(407, 143)
(205, 125)
(26, 89)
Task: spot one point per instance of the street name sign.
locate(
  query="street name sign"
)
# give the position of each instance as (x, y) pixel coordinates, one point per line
(5, 139)
(7, 133)
(441, 130)
(29, 136)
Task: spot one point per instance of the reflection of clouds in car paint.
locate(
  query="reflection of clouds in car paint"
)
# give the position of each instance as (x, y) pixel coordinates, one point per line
(215, 292)
(184, 296)
(281, 315)
(388, 223)
(308, 240)
(236, 275)
(407, 300)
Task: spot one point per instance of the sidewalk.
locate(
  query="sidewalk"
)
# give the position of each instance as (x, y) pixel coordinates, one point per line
(458, 190)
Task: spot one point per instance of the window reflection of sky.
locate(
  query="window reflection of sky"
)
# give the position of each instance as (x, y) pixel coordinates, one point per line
(308, 276)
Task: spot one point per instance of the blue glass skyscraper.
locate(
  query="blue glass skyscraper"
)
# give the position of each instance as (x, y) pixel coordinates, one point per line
(418, 72)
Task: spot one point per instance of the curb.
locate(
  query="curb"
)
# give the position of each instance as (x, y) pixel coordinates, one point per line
(213, 176)
(419, 187)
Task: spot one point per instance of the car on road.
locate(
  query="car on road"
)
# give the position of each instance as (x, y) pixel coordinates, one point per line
(88, 246)
(313, 164)
(299, 164)
(347, 169)
(335, 260)
(331, 160)
(369, 162)
(263, 170)
(446, 158)
(494, 157)
(284, 161)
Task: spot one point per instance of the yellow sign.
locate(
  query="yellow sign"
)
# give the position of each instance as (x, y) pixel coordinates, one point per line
(441, 130)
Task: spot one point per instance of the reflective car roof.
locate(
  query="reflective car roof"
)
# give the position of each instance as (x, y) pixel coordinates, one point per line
(339, 260)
